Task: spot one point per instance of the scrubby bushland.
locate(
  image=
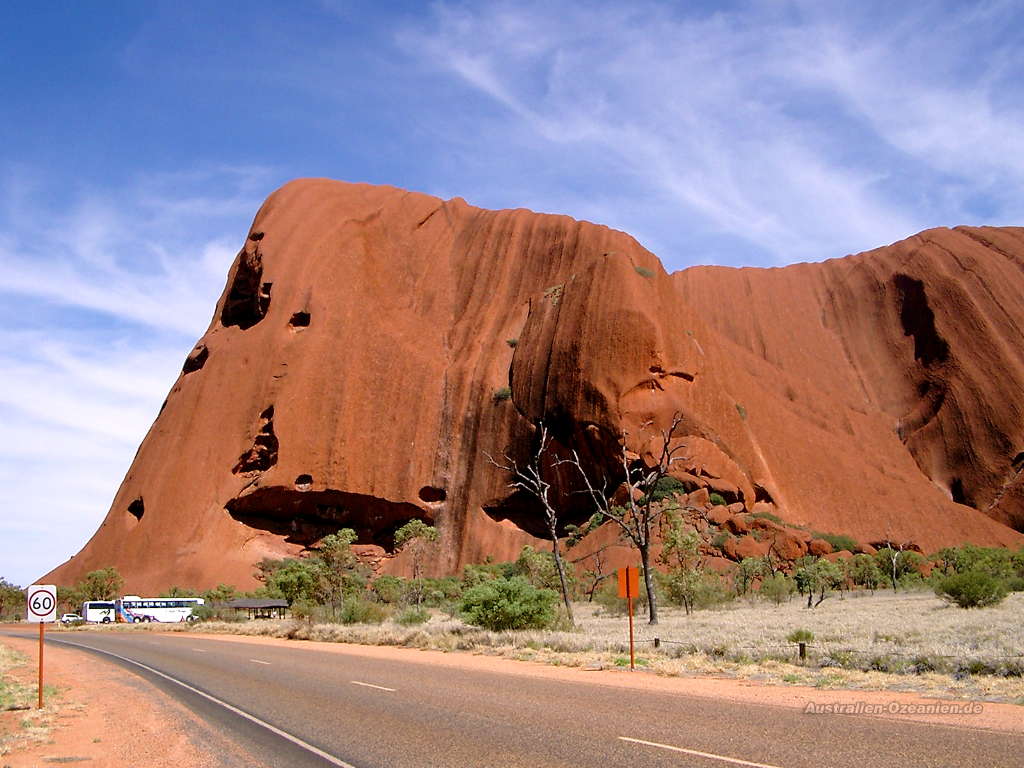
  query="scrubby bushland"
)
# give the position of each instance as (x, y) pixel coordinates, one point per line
(972, 589)
(508, 603)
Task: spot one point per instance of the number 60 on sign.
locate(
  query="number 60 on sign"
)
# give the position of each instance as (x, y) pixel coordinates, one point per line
(41, 604)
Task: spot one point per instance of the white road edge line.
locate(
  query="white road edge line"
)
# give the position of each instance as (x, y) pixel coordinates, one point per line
(371, 685)
(199, 650)
(230, 708)
(708, 755)
(257, 661)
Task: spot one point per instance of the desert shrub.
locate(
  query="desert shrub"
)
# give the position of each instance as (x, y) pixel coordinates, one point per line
(778, 588)
(719, 539)
(717, 500)
(414, 614)
(509, 603)
(1015, 584)
(539, 569)
(303, 610)
(839, 541)
(741, 411)
(911, 580)
(512, 342)
(501, 394)
(693, 588)
(863, 571)
(644, 272)
(800, 636)
(665, 487)
(972, 589)
(749, 570)
(608, 597)
(478, 573)
(388, 589)
(359, 610)
(769, 516)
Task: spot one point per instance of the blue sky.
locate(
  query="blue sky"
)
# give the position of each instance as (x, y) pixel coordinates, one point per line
(138, 139)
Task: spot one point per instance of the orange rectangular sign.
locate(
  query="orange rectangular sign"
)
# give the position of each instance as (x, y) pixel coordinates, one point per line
(629, 578)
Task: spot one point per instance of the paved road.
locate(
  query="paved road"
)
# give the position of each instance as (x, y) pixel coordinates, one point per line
(365, 712)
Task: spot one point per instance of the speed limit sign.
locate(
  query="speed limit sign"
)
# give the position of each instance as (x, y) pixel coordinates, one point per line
(42, 603)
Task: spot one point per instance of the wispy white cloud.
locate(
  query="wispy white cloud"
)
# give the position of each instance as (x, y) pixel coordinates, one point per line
(103, 297)
(798, 128)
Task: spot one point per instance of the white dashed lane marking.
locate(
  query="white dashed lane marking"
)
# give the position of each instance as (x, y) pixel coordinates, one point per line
(696, 753)
(371, 685)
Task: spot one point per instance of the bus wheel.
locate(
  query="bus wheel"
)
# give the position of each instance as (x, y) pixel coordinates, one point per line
(106, 619)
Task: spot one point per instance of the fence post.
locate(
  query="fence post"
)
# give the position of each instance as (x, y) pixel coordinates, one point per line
(803, 651)
(657, 642)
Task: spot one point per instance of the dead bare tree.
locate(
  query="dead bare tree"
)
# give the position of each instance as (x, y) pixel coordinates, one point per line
(597, 574)
(638, 517)
(531, 479)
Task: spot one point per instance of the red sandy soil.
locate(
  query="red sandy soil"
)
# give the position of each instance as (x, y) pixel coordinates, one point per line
(372, 346)
(107, 717)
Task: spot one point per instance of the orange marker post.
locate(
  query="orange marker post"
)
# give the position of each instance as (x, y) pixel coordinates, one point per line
(629, 586)
(41, 631)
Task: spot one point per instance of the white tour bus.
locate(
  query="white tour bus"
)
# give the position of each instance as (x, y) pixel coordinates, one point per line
(132, 608)
(98, 611)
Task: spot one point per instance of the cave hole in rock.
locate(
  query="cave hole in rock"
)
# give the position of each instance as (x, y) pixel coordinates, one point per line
(248, 298)
(761, 494)
(263, 454)
(304, 482)
(432, 494)
(305, 517)
(256, 236)
(137, 508)
(196, 359)
(299, 320)
(918, 321)
(1018, 461)
(526, 512)
(960, 496)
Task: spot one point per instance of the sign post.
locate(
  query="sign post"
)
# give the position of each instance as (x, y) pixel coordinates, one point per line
(629, 586)
(41, 608)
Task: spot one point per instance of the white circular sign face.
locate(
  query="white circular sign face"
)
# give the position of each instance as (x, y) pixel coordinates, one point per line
(41, 603)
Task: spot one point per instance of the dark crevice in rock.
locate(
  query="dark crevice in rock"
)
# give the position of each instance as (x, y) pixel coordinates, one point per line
(248, 298)
(303, 482)
(196, 359)
(918, 321)
(1018, 462)
(305, 517)
(959, 494)
(432, 494)
(263, 454)
(299, 320)
(137, 508)
(761, 494)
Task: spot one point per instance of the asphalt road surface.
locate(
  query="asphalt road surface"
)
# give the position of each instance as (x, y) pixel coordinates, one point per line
(297, 706)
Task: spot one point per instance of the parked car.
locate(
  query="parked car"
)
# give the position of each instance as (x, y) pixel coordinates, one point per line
(70, 618)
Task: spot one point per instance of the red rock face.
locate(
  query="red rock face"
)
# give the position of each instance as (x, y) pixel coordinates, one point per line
(373, 346)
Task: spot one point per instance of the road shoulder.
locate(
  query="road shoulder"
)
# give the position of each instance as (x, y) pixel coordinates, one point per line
(109, 718)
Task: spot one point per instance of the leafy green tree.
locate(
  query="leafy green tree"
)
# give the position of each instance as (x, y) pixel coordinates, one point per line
(778, 588)
(749, 570)
(896, 560)
(102, 584)
(337, 570)
(816, 577)
(176, 591)
(415, 537)
(539, 568)
(512, 603)
(863, 571)
(388, 589)
(12, 599)
(292, 579)
(220, 594)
